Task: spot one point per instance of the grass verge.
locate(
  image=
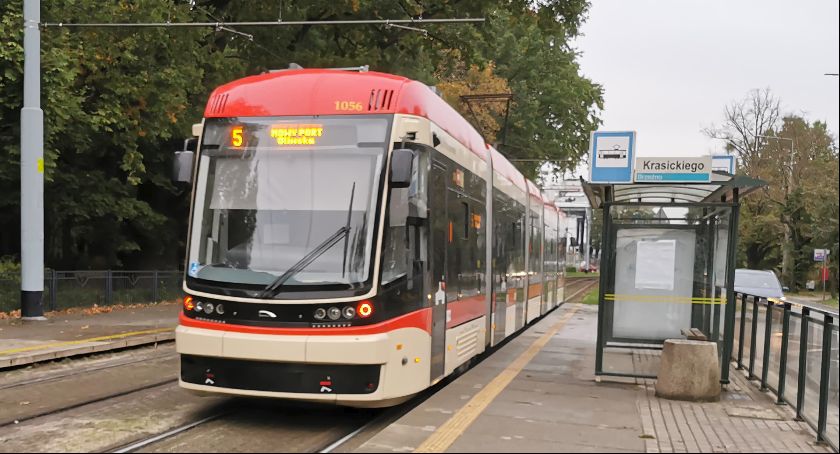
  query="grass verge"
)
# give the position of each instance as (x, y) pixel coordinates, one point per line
(591, 297)
(580, 274)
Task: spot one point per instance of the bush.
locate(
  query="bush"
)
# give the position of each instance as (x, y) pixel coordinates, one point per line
(9, 265)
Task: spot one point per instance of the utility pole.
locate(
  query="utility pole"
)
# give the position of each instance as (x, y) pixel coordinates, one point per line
(31, 169)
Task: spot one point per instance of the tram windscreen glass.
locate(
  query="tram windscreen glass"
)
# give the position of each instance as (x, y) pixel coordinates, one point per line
(270, 191)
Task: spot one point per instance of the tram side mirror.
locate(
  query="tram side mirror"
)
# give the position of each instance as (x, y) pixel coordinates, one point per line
(402, 162)
(182, 166)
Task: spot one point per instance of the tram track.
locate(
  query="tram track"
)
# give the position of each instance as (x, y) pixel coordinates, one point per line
(73, 372)
(237, 423)
(29, 398)
(586, 284)
(10, 422)
(142, 443)
(336, 428)
(231, 412)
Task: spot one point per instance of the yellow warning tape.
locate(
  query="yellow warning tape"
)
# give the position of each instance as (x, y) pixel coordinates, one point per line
(662, 299)
(83, 341)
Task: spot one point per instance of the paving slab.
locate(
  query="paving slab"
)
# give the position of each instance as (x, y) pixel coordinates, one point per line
(553, 403)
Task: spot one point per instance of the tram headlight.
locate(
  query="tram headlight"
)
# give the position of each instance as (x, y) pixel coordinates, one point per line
(320, 313)
(348, 312)
(220, 309)
(188, 303)
(199, 306)
(334, 313)
(208, 308)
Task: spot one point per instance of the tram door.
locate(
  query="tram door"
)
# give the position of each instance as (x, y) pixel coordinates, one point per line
(439, 235)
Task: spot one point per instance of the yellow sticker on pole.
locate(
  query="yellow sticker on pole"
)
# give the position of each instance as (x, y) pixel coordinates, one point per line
(40, 165)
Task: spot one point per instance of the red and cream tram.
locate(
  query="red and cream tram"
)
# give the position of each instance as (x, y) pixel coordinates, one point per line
(354, 240)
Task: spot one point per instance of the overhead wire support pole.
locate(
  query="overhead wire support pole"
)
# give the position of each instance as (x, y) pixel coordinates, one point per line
(31, 170)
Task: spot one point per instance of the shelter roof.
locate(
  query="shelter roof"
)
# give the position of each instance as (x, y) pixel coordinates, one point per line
(720, 189)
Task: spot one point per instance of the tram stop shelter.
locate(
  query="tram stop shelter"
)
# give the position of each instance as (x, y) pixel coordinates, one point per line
(667, 265)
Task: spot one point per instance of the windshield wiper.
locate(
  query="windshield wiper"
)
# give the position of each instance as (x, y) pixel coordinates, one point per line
(344, 231)
(347, 236)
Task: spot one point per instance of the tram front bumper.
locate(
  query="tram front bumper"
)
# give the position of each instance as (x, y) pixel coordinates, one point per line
(352, 370)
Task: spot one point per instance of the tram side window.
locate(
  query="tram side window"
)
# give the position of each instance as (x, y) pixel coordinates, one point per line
(465, 254)
(395, 259)
(469, 266)
(479, 245)
(534, 265)
(466, 209)
(562, 253)
(395, 244)
(404, 202)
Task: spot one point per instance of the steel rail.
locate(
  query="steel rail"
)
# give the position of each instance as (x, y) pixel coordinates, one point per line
(168, 381)
(94, 368)
(134, 446)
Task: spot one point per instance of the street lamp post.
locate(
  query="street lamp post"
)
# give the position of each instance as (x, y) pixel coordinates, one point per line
(786, 246)
(790, 167)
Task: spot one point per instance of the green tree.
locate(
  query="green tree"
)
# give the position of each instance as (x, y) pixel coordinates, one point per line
(525, 45)
(118, 102)
(798, 211)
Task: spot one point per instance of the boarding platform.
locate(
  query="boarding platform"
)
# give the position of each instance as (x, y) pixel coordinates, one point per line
(85, 331)
(540, 393)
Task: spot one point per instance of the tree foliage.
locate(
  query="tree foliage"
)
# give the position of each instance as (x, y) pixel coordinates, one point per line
(118, 102)
(488, 117)
(797, 211)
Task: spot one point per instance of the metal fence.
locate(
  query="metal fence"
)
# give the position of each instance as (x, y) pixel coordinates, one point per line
(64, 289)
(792, 350)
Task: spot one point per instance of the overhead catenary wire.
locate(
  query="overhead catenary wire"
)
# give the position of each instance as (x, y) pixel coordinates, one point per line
(232, 30)
(218, 24)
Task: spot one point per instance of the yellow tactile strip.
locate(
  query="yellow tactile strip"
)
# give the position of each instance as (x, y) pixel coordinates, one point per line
(447, 433)
(83, 341)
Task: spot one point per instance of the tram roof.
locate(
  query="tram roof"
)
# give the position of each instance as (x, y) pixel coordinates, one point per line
(720, 189)
(302, 92)
(534, 190)
(507, 169)
(337, 92)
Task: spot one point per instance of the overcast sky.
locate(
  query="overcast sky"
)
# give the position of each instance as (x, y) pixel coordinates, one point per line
(668, 68)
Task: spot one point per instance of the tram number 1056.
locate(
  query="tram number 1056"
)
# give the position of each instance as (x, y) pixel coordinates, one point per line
(348, 106)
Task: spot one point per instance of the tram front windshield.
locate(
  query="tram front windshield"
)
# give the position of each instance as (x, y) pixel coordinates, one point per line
(289, 200)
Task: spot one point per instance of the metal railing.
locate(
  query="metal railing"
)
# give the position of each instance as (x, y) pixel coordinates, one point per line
(792, 350)
(65, 289)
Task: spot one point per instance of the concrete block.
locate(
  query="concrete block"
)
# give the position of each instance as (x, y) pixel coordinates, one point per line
(689, 370)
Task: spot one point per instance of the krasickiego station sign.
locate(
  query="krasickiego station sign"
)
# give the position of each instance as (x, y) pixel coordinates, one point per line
(613, 160)
(673, 170)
